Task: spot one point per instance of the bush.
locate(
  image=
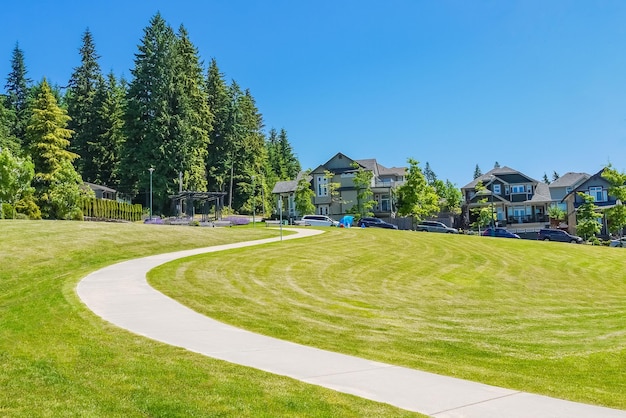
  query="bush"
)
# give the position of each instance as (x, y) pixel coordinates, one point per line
(7, 211)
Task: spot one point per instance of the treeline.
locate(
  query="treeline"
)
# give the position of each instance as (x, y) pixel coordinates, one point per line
(174, 116)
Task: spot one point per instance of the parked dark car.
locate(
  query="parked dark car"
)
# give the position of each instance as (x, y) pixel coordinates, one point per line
(499, 233)
(558, 235)
(375, 222)
(434, 226)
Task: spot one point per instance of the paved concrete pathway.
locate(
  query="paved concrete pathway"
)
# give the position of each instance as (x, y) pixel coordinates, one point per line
(121, 295)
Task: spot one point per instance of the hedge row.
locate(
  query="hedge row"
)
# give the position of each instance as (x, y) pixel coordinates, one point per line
(110, 209)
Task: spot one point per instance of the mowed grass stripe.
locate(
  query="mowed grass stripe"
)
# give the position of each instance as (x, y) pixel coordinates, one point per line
(58, 359)
(542, 317)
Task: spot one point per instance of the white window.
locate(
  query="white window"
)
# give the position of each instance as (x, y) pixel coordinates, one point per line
(507, 190)
(496, 189)
(323, 210)
(322, 186)
(598, 194)
(518, 188)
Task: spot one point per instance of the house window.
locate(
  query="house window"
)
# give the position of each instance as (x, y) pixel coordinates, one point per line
(507, 190)
(568, 190)
(496, 189)
(598, 194)
(323, 209)
(518, 188)
(322, 186)
(385, 205)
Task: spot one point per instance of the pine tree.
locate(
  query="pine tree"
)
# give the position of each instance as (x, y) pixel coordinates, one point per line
(429, 174)
(18, 91)
(152, 126)
(496, 165)
(555, 176)
(290, 164)
(546, 180)
(194, 113)
(49, 138)
(82, 89)
(477, 172)
(104, 148)
(219, 101)
(7, 140)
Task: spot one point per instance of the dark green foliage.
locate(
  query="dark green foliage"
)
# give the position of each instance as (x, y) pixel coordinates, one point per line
(546, 180)
(219, 101)
(167, 120)
(83, 85)
(18, 91)
(7, 139)
(103, 148)
(477, 172)
(194, 113)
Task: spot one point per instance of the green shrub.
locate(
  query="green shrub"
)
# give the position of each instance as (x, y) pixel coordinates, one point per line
(7, 211)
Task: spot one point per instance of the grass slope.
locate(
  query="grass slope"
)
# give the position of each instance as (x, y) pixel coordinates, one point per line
(542, 317)
(58, 359)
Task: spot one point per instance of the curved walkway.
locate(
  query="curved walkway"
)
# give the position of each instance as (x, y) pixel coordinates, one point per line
(121, 295)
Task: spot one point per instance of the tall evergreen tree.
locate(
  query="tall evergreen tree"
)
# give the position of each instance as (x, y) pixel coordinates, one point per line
(291, 166)
(101, 166)
(220, 104)
(152, 126)
(477, 172)
(7, 140)
(249, 151)
(49, 138)
(429, 174)
(17, 90)
(80, 96)
(194, 113)
(496, 165)
(555, 176)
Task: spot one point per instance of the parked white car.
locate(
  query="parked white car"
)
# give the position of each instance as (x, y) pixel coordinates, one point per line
(317, 220)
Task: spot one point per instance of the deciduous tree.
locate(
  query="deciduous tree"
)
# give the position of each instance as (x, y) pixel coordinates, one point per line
(587, 224)
(616, 216)
(416, 197)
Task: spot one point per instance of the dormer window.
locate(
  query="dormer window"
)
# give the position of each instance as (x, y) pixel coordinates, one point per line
(496, 189)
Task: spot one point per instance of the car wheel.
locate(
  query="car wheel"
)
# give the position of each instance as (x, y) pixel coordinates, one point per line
(546, 239)
(573, 241)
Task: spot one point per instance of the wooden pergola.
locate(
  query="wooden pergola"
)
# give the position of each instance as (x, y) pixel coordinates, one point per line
(187, 199)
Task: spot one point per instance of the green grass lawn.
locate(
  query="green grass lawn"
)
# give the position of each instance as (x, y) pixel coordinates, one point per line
(541, 317)
(58, 359)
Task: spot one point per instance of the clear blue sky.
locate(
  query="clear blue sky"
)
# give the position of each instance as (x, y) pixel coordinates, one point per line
(535, 85)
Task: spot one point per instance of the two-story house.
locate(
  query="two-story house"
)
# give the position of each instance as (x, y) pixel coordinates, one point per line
(342, 171)
(596, 186)
(515, 197)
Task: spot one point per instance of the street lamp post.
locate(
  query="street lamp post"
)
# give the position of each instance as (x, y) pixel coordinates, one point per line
(151, 169)
(253, 203)
(493, 219)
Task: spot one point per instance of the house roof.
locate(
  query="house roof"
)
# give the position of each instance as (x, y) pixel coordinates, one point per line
(501, 173)
(95, 187)
(289, 186)
(542, 194)
(285, 187)
(570, 179)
